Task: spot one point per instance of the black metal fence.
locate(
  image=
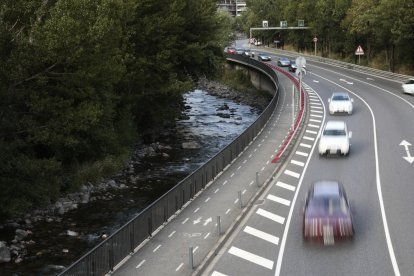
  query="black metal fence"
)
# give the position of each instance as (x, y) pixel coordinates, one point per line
(105, 256)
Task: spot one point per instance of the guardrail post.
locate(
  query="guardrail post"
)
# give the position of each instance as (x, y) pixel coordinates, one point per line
(240, 199)
(218, 225)
(149, 227)
(190, 254)
(111, 256)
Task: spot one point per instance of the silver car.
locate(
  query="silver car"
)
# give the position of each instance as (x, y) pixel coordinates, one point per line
(340, 102)
(408, 86)
(335, 138)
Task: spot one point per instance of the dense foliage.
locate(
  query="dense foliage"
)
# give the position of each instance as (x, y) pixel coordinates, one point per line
(384, 28)
(81, 79)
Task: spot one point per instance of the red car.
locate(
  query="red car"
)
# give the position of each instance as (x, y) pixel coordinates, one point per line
(326, 216)
(231, 50)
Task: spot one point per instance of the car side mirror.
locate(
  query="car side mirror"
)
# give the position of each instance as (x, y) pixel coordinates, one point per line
(350, 135)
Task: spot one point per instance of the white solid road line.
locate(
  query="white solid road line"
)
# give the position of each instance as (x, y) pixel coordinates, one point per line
(251, 257)
(261, 235)
(270, 216)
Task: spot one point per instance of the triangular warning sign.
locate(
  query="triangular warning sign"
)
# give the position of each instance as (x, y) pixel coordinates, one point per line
(359, 50)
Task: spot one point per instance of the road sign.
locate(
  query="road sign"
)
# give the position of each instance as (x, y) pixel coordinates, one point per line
(315, 39)
(301, 23)
(283, 24)
(265, 23)
(300, 62)
(359, 51)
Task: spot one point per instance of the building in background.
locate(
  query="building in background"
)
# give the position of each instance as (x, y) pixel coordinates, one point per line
(234, 7)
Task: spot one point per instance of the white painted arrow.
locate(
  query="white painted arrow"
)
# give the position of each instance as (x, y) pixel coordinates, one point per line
(197, 220)
(409, 158)
(207, 221)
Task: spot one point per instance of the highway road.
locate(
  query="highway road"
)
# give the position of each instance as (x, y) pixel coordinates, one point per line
(195, 231)
(377, 175)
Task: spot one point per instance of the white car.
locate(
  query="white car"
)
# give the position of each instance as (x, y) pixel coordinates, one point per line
(340, 102)
(335, 138)
(408, 86)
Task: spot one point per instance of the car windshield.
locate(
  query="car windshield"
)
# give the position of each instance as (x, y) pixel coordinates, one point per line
(327, 206)
(340, 98)
(334, 132)
(410, 81)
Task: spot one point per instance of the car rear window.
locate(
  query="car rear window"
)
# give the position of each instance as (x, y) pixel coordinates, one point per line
(327, 206)
(334, 132)
(340, 98)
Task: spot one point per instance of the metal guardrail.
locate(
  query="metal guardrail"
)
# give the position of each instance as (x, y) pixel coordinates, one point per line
(106, 255)
(400, 78)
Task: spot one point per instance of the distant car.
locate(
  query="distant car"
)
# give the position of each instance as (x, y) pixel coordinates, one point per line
(408, 86)
(248, 53)
(239, 51)
(335, 138)
(258, 43)
(293, 66)
(264, 57)
(283, 62)
(231, 50)
(340, 102)
(327, 216)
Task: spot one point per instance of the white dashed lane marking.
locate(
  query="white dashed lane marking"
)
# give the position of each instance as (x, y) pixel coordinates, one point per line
(308, 138)
(140, 264)
(298, 163)
(279, 200)
(305, 145)
(216, 273)
(291, 173)
(261, 235)
(251, 257)
(301, 153)
(285, 186)
(270, 216)
(311, 131)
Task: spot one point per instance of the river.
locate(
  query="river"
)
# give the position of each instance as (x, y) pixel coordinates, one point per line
(210, 121)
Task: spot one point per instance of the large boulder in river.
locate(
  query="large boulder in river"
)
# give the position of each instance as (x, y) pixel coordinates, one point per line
(5, 256)
(191, 145)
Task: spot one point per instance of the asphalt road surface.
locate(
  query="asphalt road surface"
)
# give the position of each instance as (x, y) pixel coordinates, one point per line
(378, 176)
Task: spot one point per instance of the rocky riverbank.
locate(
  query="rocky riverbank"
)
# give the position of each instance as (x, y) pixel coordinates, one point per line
(19, 238)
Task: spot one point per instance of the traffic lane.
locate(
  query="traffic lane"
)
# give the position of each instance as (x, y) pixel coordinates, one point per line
(393, 126)
(250, 250)
(377, 84)
(357, 173)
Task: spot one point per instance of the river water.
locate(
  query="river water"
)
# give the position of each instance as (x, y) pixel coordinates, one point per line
(210, 121)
